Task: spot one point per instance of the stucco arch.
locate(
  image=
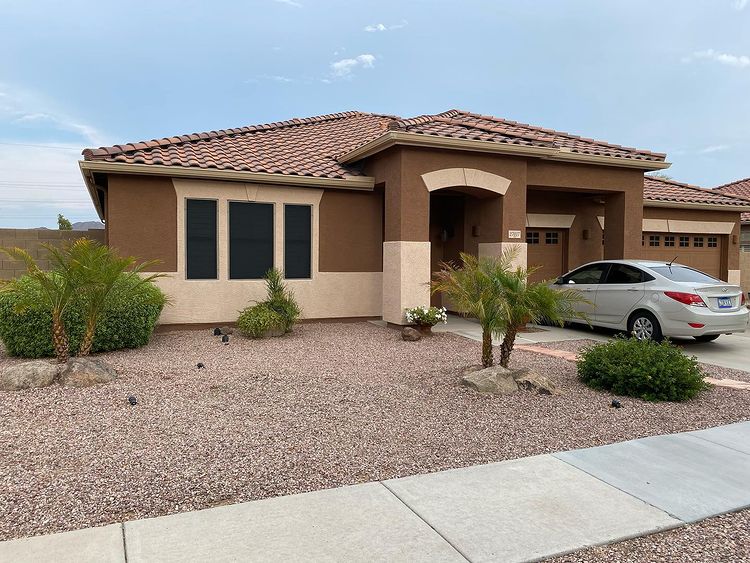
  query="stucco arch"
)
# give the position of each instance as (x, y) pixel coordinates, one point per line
(468, 177)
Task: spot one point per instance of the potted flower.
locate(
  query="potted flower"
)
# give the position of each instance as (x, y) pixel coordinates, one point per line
(424, 318)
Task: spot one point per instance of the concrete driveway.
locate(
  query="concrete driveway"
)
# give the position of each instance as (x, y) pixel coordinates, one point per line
(730, 351)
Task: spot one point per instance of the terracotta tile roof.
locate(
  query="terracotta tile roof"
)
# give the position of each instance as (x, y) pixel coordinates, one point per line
(659, 189)
(739, 188)
(311, 146)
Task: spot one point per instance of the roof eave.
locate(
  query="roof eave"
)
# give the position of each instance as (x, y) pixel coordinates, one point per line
(88, 179)
(699, 206)
(365, 183)
(392, 138)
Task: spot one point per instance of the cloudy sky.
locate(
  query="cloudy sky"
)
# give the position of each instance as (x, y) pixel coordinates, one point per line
(670, 76)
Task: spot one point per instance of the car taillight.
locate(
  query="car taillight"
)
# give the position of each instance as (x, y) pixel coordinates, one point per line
(742, 299)
(686, 298)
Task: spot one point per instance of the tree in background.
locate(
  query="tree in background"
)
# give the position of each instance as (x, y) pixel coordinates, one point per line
(63, 224)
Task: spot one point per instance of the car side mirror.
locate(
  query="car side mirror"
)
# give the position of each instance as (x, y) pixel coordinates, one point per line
(559, 281)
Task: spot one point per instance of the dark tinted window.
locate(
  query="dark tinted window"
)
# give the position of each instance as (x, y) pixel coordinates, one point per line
(683, 274)
(297, 241)
(622, 273)
(250, 239)
(587, 274)
(200, 235)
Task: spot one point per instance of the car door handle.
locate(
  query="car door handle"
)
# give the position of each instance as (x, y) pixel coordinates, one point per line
(632, 289)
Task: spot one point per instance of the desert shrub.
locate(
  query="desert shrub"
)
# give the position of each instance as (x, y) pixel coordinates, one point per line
(281, 299)
(259, 319)
(127, 320)
(641, 368)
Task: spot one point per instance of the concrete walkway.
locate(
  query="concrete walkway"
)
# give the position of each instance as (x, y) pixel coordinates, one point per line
(518, 510)
(729, 350)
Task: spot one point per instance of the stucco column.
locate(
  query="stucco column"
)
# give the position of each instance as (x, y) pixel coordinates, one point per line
(623, 224)
(406, 248)
(506, 220)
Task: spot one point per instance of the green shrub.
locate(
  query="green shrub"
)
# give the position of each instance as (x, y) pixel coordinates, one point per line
(125, 322)
(259, 319)
(281, 299)
(641, 368)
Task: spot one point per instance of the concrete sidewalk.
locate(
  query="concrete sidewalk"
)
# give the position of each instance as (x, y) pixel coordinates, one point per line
(518, 510)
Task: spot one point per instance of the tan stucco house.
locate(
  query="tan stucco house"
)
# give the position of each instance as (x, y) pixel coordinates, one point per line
(358, 208)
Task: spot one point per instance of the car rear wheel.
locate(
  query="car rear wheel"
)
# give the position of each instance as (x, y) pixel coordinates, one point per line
(706, 337)
(644, 326)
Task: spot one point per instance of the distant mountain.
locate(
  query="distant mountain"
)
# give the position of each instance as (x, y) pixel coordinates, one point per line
(86, 225)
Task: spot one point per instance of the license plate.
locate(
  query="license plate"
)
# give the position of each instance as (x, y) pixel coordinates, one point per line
(725, 302)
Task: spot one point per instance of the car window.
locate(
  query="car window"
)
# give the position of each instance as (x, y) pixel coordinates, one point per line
(587, 274)
(623, 273)
(683, 274)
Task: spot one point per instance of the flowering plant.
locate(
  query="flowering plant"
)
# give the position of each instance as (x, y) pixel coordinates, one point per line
(426, 316)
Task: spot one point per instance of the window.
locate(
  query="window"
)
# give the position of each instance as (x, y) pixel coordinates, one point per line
(668, 240)
(552, 237)
(622, 273)
(698, 242)
(200, 239)
(532, 237)
(587, 274)
(297, 241)
(683, 274)
(684, 242)
(654, 240)
(713, 242)
(250, 239)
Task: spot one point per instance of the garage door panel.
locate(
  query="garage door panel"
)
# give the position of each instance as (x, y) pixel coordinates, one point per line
(546, 250)
(699, 251)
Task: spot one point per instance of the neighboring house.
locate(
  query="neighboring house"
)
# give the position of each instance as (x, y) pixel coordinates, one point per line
(740, 188)
(358, 209)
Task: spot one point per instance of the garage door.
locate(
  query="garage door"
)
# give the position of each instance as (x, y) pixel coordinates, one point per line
(546, 250)
(702, 252)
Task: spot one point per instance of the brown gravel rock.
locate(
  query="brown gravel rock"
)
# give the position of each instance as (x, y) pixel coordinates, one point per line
(494, 379)
(253, 424)
(27, 375)
(410, 334)
(84, 372)
(529, 380)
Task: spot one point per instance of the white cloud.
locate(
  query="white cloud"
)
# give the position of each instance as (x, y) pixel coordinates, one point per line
(345, 67)
(289, 3)
(739, 5)
(376, 27)
(737, 61)
(713, 148)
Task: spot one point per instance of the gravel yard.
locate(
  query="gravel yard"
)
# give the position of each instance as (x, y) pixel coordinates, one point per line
(329, 405)
(724, 538)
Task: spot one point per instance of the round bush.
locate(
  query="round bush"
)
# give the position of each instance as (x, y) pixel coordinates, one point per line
(125, 322)
(641, 368)
(258, 320)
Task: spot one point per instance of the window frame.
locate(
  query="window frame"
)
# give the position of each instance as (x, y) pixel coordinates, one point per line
(229, 236)
(654, 241)
(216, 238)
(548, 235)
(644, 277)
(530, 234)
(605, 271)
(698, 242)
(312, 239)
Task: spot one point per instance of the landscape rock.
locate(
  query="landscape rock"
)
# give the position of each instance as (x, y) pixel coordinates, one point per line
(529, 380)
(36, 373)
(84, 372)
(226, 330)
(494, 379)
(410, 334)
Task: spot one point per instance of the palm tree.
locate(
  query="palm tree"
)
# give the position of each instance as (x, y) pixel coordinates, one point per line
(56, 290)
(502, 299)
(474, 289)
(101, 269)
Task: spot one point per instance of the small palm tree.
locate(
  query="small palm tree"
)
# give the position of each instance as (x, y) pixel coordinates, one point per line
(101, 269)
(502, 299)
(57, 289)
(474, 289)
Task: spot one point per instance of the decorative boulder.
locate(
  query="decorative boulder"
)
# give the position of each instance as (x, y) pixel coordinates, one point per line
(84, 372)
(226, 330)
(494, 379)
(531, 381)
(37, 373)
(410, 334)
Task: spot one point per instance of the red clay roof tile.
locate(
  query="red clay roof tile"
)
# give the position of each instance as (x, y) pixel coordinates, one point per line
(660, 189)
(740, 188)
